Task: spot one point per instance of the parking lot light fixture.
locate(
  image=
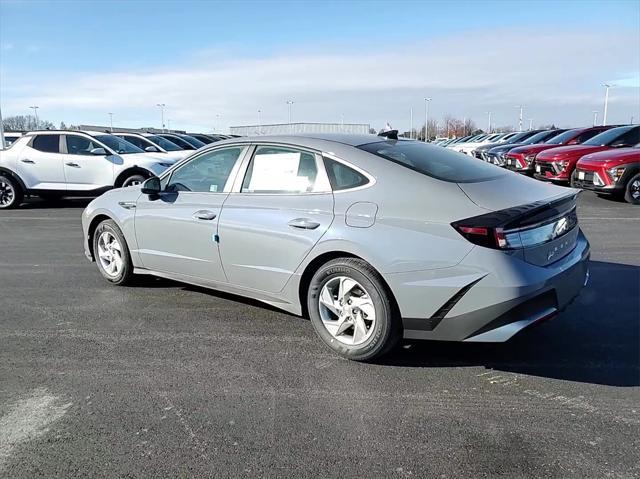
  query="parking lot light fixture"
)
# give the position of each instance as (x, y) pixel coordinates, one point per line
(35, 112)
(290, 104)
(606, 102)
(489, 126)
(595, 117)
(111, 121)
(259, 122)
(426, 118)
(520, 117)
(530, 124)
(161, 106)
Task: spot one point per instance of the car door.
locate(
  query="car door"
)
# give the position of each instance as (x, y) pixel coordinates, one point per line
(83, 170)
(40, 163)
(176, 231)
(277, 212)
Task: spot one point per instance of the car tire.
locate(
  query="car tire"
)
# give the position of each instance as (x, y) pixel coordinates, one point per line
(11, 194)
(360, 334)
(574, 177)
(632, 190)
(112, 253)
(133, 180)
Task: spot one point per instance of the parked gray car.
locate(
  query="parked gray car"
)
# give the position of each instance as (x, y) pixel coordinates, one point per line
(373, 238)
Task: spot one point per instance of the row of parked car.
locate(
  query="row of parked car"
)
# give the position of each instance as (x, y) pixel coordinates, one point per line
(56, 163)
(605, 159)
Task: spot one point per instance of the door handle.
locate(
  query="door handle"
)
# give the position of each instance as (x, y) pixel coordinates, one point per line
(303, 224)
(27, 160)
(204, 215)
(71, 163)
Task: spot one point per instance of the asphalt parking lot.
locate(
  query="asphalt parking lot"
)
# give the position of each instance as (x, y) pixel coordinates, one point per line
(168, 380)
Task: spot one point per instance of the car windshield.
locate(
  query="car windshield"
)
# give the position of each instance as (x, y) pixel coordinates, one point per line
(192, 141)
(609, 136)
(562, 138)
(438, 163)
(164, 143)
(120, 146)
(537, 138)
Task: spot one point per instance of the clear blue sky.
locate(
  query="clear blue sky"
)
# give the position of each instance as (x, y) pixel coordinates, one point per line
(70, 43)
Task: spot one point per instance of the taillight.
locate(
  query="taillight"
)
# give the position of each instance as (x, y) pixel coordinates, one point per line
(515, 228)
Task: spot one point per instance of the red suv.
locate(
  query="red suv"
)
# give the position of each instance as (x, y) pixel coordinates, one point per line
(522, 159)
(557, 164)
(612, 172)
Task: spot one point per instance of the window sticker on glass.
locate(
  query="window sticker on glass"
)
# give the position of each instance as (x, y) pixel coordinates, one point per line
(213, 188)
(277, 171)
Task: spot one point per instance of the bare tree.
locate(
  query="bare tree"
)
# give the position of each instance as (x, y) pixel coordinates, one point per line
(25, 123)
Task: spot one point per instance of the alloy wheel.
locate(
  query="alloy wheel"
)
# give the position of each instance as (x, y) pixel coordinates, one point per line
(7, 193)
(346, 310)
(635, 190)
(110, 254)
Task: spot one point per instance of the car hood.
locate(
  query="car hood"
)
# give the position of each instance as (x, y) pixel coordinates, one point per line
(532, 149)
(511, 189)
(503, 148)
(146, 158)
(488, 146)
(572, 151)
(622, 154)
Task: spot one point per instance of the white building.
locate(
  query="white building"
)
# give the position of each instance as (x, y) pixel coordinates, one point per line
(294, 128)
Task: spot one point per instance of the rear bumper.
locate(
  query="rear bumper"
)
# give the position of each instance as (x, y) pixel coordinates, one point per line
(501, 302)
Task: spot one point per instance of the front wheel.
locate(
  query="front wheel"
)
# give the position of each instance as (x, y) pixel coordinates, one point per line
(632, 190)
(352, 310)
(11, 195)
(112, 253)
(133, 180)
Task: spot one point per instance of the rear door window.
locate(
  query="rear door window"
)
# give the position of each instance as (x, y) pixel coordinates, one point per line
(46, 143)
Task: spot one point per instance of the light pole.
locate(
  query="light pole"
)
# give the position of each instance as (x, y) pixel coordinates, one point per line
(426, 118)
(169, 124)
(595, 117)
(290, 104)
(111, 121)
(411, 123)
(2, 144)
(489, 127)
(530, 124)
(259, 122)
(606, 102)
(161, 106)
(520, 117)
(35, 112)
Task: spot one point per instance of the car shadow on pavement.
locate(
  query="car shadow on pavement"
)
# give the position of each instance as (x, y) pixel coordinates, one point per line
(41, 204)
(595, 340)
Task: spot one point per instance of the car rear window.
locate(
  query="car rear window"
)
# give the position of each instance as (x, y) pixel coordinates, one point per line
(439, 163)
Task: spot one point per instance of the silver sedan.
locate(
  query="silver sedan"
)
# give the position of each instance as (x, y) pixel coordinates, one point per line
(374, 238)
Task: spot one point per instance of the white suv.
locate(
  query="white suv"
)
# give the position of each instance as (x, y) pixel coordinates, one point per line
(155, 144)
(57, 163)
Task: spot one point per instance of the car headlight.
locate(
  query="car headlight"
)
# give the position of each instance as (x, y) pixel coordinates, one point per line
(615, 173)
(560, 166)
(529, 159)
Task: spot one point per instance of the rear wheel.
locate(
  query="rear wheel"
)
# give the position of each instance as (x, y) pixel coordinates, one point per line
(632, 190)
(11, 194)
(351, 309)
(112, 253)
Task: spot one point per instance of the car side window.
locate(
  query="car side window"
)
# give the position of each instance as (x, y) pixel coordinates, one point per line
(46, 143)
(342, 177)
(134, 140)
(208, 173)
(280, 170)
(80, 145)
(629, 138)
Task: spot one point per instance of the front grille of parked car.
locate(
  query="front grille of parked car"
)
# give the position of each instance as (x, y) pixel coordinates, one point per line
(544, 168)
(586, 182)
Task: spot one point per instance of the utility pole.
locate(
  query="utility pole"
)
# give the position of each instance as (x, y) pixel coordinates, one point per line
(520, 117)
(411, 124)
(2, 144)
(111, 121)
(290, 104)
(426, 120)
(259, 122)
(169, 124)
(606, 102)
(530, 124)
(595, 117)
(161, 105)
(35, 112)
(489, 127)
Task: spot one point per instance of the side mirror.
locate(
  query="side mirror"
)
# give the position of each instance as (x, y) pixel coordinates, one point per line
(99, 152)
(151, 186)
(151, 149)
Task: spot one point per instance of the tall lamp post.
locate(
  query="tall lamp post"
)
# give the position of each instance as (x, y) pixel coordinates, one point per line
(290, 104)
(161, 106)
(595, 117)
(489, 126)
(111, 121)
(606, 102)
(530, 124)
(520, 117)
(259, 122)
(426, 118)
(35, 112)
